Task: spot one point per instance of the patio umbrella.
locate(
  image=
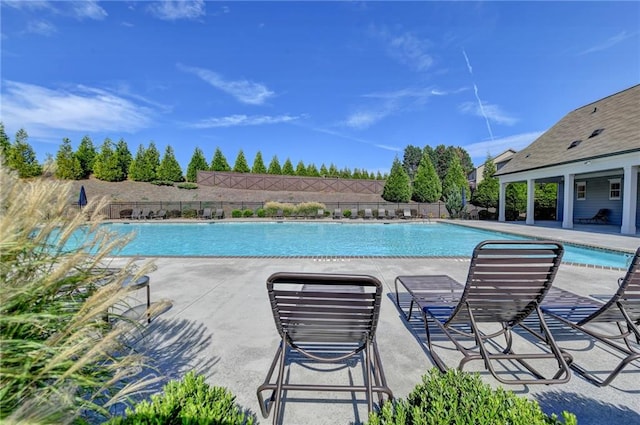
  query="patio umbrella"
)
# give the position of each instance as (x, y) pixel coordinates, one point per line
(82, 200)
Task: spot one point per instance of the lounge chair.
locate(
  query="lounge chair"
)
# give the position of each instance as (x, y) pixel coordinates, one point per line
(219, 213)
(160, 215)
(601, 217)
(323, 318)
(320, 213)
(279, 214)
(354, 214)
(337, 213)
(391, 214)
(407, 213)
(206, 214)
(145, 214)
(381, 213)
(135, 213)
(593, 317)
(368, 214)
(506, 283)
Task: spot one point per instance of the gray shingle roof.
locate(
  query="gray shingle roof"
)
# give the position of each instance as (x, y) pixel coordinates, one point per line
(619, 117)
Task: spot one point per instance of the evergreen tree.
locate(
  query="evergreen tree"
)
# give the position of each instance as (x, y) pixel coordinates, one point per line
(379, 176)
(453, 200)
(67, 164)
(5, 145)
(426, 184)
(198, 163)
(323, 170)
(219, 162)
(241, 166)
(411, 160)
(333, 170)
(124, 157)
(106, 166)
(258, 165)
(22, 158)
(345, 173)
(441, 161)
(137, 168)
(86, 154)
(397, 188)
(455, 177)
(465, 160)
(312, 171)
(274, 166)
(152, 159)
(515, 200)
(487, 193)
(169, 169)
(301, 169)
(287, 168)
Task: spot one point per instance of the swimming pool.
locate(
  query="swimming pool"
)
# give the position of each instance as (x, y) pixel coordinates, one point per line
(333, 239)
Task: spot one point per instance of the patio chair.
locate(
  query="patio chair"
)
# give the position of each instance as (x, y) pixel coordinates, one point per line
(160, 215)
(320, 213)
(279, 214)
(206, 214)
(406, 213)
(391, 214)
(219, 213)
(591, 317)
(145, 214)
(506, 283)
(337, 213)
(381, 213)
(324, 319)
(368, 214)
(601, 217)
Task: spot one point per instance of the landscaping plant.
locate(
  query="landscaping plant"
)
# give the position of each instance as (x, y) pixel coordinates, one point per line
(457, 397)
(60, 358)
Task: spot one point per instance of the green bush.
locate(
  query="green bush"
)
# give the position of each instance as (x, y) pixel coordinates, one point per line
(190, 401)
(236, 213)
(309, 208)
(174, 214)
(189, 213)
(187, 185)
(457, 397)
(260, 212)
(346, 213)
(162, 182)
(271, 208)
(247, 213)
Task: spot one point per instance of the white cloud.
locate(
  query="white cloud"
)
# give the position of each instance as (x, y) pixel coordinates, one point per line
(356, 139)
(488, 111)
(406, 48)
(244, 91)
(41, 27)
(365, 119)
(88, 9)
(171, 10)
(243, 120)
(608, 43)
(28, 5)
(479, 151)
(43, 110)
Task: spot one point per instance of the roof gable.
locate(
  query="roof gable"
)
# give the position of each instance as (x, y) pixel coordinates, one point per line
(606, 127)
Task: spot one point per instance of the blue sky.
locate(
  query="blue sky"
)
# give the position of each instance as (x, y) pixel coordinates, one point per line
(349, 83)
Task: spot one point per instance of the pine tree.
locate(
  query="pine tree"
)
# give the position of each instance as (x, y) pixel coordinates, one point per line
(287, 168)
(5, 144)
(274, 166)
(152, 159)
(487, 193)
(86, 154)
(323, 170)
(106, 166)
(124, 157)
(333, 170)
(301, 169)
(67, 164)
(241, 166)
(169, 169)
(258, 165)
(137, 170)
(312, 171)
(411, 160)
(455, 177)
(22, 158)
(453, 200)
(197, 163)
(426, 184)
(397, 188)
(219, 162)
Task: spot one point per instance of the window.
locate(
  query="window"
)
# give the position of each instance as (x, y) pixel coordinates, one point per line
(574, 144)
(581, 191)
(614, 189)
(596, 132)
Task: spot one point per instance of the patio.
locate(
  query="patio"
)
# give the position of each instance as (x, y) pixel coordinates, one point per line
(221, 325)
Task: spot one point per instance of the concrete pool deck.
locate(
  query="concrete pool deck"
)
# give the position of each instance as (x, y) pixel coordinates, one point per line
(221, 325)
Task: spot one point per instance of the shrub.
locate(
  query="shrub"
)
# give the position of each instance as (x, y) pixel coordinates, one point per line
(190, 401)
(271, 208)
(60, 359)
(236, 213)
(247, 213)
(309, 208)
(187, 185)
(174, 214)
(162, 182)
(189, 213)
(260, 212)
(457, 397)
(346, 213)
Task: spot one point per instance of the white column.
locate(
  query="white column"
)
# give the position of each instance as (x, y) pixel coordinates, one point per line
(629, 200)
(531, 195)
(567, 216)
(501, 200)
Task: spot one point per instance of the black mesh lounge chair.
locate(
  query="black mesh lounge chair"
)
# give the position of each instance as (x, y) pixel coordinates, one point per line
(326, 318)
(590, 317)
(601, 217)
(206, 214)
(506, 283)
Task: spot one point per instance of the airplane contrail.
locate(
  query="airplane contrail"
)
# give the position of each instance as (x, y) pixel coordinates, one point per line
(475, 91)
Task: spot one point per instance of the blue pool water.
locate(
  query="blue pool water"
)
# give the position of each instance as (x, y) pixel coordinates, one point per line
(324, 239)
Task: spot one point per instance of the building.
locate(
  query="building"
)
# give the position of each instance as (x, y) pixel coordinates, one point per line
(475, 177)
(593, 153)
